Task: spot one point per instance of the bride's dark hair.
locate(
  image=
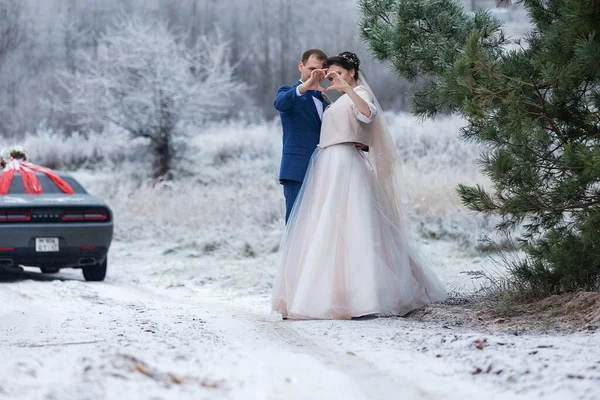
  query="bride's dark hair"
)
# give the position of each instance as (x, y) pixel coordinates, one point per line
(346, 60)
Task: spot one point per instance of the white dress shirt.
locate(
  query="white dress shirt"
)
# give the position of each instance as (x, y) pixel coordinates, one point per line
(318, 102)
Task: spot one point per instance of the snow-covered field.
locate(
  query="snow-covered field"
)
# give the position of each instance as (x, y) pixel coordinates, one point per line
(184, 311)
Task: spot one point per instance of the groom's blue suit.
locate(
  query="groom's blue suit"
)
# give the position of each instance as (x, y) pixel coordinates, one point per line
(301, 125)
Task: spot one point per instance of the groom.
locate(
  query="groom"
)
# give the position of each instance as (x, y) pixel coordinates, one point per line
(301, 111)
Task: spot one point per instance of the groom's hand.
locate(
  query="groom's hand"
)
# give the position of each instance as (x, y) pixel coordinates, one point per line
(314, 82)
(324, 93)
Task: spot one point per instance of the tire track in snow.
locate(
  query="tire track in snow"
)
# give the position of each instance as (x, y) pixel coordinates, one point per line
(373, 383)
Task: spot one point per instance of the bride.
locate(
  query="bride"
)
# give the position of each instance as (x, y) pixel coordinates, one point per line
(346, 252)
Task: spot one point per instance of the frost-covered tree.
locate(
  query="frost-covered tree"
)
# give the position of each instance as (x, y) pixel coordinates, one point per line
(267, 37)
(11, 37)
(144, 80)
(11, 31)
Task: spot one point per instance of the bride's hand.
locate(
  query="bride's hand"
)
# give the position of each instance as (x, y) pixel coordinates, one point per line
(336, 82)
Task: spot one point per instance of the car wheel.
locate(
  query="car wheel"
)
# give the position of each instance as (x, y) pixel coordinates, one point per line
(96, 272)
(49, 270)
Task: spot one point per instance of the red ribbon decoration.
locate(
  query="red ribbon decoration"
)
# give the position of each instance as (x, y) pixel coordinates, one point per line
(30, 182)
(58, 181)
(6, 179)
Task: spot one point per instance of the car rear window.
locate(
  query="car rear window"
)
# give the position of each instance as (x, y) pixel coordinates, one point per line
(48, 187)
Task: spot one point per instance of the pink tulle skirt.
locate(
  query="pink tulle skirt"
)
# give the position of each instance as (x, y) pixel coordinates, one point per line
(343, 254)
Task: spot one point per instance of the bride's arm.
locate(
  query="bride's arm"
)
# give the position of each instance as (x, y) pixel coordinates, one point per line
(361, 105)
(362, 117)
(367, 118)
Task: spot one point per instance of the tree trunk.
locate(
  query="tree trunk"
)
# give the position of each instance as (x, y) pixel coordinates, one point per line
(266, 78)
(284, 28)
(163, 154)
(11, 28)
(236, 38)
(193, 38)
(163, 143)
(69, 39)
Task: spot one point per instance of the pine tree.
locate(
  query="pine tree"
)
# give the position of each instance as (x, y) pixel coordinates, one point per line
(533, 105)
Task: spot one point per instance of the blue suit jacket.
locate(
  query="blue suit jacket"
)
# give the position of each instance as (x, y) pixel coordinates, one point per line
(301, 130)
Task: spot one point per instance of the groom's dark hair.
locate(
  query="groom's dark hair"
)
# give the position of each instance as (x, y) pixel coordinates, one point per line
(319, 55)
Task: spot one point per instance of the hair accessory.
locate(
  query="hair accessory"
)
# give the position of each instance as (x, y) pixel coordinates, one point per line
(350, 57)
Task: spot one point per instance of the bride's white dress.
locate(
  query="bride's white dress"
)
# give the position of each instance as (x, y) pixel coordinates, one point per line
(343, 254)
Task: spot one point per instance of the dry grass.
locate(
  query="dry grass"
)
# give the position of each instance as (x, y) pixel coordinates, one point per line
(227, 186)
(571, 312)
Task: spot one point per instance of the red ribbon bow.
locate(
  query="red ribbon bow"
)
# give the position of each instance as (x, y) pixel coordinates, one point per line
(30, 181)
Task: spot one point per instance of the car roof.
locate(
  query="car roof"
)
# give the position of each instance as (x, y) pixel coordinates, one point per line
(76, 198)
(62, 174)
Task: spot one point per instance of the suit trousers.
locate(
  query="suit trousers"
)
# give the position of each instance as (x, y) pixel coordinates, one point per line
(290, 192)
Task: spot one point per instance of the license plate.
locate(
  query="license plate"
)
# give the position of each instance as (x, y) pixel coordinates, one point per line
(46, 244)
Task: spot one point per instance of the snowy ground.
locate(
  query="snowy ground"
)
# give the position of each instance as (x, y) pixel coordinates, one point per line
(168, 325)
(184, 311)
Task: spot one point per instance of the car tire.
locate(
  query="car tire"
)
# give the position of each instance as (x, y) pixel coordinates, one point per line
(49, 270)
(95, 273)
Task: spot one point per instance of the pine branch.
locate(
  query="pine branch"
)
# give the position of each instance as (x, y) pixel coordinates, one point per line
(535, 108)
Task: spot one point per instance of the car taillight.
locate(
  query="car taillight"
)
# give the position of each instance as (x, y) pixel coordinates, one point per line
(72, 217)
(15, 216)
(96, 216)
(93, 215)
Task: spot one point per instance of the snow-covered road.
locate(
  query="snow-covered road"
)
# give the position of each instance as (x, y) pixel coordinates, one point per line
(200, 328)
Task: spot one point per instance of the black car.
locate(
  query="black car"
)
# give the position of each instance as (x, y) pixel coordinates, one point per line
(54, 230)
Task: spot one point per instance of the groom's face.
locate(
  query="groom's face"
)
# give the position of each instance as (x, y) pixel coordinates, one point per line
(311, 64)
